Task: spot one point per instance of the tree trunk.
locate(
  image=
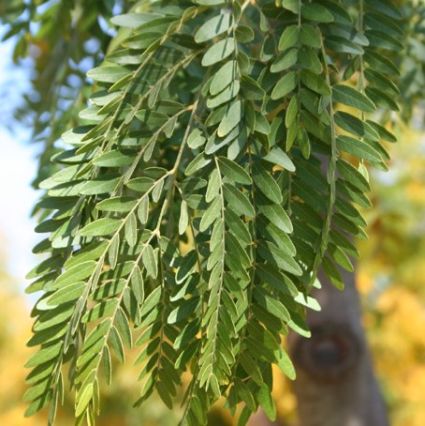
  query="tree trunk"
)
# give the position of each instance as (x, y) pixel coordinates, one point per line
(260, 419)
(335, 383)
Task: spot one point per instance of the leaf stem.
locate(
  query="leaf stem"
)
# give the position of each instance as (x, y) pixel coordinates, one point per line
(331, 178)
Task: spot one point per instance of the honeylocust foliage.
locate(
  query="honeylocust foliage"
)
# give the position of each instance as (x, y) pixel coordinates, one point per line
(220, 162)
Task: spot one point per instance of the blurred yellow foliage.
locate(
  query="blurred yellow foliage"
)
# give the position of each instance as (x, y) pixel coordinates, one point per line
(14, 332)
(392, 280)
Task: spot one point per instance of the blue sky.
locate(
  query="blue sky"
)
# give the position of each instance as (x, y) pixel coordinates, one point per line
(17, 169)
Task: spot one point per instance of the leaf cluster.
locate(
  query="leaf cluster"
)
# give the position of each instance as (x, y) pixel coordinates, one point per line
(220, 162)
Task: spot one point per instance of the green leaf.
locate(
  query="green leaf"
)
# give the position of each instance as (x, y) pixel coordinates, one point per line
(184, 218)
(199, 162)
(130, 230)
(285, 363)
(143, 210)
(238, 201)
(213, 27)
(66, 293)
(225, 96)
(276, 279)
(284, 61)
(150, 261)
(134, 20)
(271, 252)
(84, 397)
(316, 12)
(141, 184)
(137, 285)
(75, 273)
(116, 204)
(355, 126)
(244, 34)
(309, 60)
(219, 51)
(182, 312)
(210, 2)
(308, 302)
(196, 139)
(267, 185)
(151, 301)
(292, 5)
(277, 215)
(349, 96)
(271, 305)
(266, 401)
(310, 36)
(251, 368)
(358, 148)
(107, 365)
(123, 327)
(101, 227)
(315, 82)
(238, 227)
(284, 86)
(223, 77)
(213, 188)
(113, 159)
(44, 355)
(280, 158)
(382, 131)
(211, 214)
(100, 186)
(234, 171)
(291, 112)
(289, 37)
(117, 344)
(231, 119)
(108, 73)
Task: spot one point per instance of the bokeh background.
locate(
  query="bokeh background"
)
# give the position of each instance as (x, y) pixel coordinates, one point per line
(391, 279)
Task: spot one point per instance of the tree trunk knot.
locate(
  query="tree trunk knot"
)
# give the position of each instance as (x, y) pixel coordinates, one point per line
(330, 354)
